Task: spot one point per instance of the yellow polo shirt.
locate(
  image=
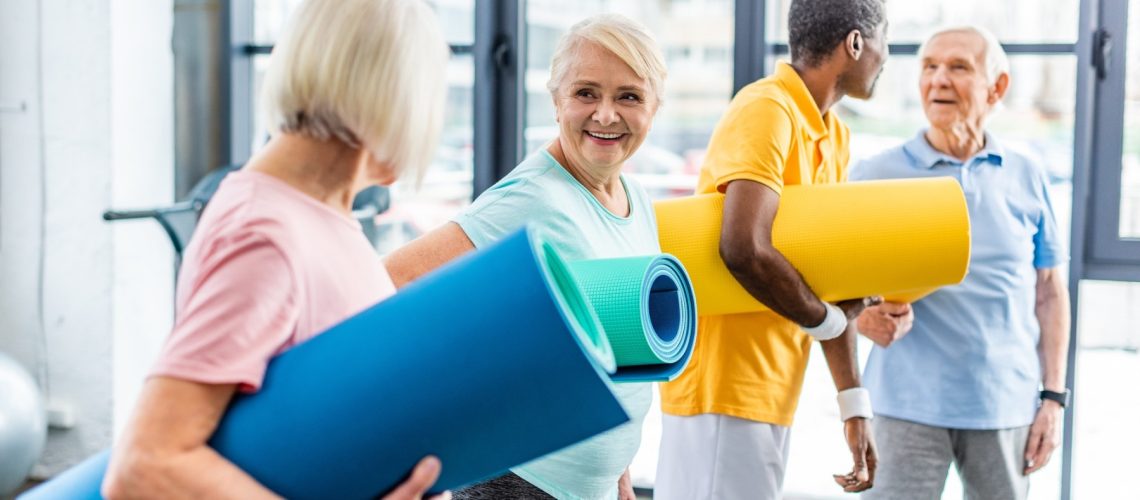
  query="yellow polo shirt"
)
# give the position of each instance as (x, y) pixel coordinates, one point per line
(752, 365)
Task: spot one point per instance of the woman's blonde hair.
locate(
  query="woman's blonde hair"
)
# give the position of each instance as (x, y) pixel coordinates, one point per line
(627, 39)
(370, 73)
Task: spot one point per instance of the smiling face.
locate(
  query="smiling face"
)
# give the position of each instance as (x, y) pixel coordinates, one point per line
(954, 86)
(604, 110)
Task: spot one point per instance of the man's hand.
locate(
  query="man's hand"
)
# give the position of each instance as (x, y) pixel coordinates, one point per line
(423, 476)
(625, 487)
(1044, 436)
(886, 322)
(864, 455)
(852, 308)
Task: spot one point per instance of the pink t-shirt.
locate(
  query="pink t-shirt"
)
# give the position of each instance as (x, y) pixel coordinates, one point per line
(268, 267)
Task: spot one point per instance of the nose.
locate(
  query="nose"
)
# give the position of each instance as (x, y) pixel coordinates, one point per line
(940, 77)
(605, 113)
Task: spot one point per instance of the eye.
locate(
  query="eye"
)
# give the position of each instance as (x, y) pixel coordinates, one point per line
(585, 93)
(630, 97)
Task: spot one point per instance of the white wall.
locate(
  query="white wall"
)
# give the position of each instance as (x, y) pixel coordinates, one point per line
(83, 304)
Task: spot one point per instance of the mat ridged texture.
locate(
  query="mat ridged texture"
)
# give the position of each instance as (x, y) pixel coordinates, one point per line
(483, 363)
(648, 312)
(902, 239)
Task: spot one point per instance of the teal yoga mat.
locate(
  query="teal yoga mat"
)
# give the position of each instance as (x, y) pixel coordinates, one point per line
(492, 361)
(648, 311)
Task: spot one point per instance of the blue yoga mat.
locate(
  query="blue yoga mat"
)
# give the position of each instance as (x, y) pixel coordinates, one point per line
(492, 361)
(648, 311)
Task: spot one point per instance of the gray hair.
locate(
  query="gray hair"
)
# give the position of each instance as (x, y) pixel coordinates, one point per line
(627, 39)
(996, 61)
(370, 73)
(816, 27)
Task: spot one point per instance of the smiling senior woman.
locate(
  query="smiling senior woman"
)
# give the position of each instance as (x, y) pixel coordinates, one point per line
(354, 95)
(606, 82)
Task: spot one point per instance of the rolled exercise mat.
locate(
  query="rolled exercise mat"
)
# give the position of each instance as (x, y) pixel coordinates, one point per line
(648, 311)
(490, 362)
(902, 239)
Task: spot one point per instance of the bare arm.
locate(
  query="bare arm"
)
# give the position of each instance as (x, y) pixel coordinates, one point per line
(164, 453)
(426, 253)
(841, 360)
(1053, 349)
(1053, 316)
(746, 247)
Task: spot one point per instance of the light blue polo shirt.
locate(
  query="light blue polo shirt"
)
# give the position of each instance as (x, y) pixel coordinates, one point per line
(970, 362)
(541, 193)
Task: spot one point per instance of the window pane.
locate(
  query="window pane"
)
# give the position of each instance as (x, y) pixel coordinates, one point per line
(1130, 163)
(447, 186)
(456, 17)
(1109, 353)
(696, 38)
(1012, 21)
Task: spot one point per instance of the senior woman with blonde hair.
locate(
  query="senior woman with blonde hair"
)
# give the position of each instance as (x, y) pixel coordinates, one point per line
(354, 97)
(606, 81)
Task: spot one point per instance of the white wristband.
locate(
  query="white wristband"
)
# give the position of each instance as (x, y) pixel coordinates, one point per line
(854, 402)
(834, 323)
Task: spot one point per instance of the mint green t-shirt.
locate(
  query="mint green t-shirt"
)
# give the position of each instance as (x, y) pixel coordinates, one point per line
(540, 192)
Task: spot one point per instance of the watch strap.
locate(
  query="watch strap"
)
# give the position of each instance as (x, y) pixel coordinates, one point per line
(1062, 398)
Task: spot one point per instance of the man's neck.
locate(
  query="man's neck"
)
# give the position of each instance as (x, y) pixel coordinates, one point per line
(961, 141)
(822, 83)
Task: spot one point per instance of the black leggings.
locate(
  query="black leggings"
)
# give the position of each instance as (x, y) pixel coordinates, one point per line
(507, 486)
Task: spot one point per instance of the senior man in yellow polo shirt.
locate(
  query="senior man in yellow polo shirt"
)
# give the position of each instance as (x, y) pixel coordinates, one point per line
(727, 418)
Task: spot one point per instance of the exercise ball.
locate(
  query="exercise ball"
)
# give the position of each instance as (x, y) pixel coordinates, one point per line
(23, 424)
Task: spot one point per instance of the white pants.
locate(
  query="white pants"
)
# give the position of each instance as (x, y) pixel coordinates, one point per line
(714, 456)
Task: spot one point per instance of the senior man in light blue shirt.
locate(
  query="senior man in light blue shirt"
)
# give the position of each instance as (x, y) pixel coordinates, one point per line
(979, 379)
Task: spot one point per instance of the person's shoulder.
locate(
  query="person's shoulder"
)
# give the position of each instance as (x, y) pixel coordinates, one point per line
(762, 98)
(251, 205)
(884, 164)
(538, 178)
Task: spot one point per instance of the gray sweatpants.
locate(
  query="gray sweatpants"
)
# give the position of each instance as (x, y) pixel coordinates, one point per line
(914, 460)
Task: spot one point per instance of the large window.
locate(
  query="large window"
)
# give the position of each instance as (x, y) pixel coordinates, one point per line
(701, 41)
(447, 186)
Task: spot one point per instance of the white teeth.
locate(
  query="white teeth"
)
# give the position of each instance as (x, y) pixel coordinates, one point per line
(604, 136)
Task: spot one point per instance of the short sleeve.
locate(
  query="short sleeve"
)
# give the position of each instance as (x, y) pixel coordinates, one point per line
(752, 143)
(507, 208)
(1048, 247)
(237, 311)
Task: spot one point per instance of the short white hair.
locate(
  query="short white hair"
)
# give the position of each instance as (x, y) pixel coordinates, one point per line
(370, 73)
(996, 61)
(625, 38)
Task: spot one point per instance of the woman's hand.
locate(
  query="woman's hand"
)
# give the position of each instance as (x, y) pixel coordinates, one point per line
(625, 487)
(423, 476)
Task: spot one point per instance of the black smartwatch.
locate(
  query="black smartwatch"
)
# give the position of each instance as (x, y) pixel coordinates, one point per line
(1062, 398)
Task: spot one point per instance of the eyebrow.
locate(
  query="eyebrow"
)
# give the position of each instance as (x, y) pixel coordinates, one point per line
(590, 83)
(926, 60)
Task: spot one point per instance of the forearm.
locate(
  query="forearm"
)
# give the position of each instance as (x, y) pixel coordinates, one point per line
(426, 253)
(842, 360)
(197, 473)
(1052, 312)
(771, 279)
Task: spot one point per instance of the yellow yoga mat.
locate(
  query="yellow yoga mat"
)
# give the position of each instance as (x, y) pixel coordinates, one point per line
(901, 239)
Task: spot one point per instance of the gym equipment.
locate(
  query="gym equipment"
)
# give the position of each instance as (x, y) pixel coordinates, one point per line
(901, 239)
(489, 362)
(180, 219)
(23, 424)
(648, 311)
